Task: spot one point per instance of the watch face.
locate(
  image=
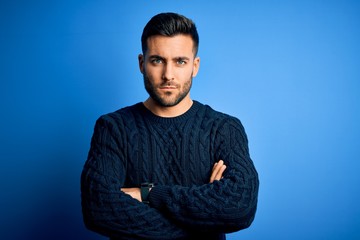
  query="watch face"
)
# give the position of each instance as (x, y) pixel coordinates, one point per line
(147, 184)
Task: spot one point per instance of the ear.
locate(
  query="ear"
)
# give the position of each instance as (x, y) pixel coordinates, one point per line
(196, 66)
(141, 63)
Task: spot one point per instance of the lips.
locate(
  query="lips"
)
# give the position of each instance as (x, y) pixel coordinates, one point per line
(169, 86)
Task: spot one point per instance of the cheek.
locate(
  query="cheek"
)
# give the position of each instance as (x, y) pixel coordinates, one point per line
(152, 72)
(186, 74)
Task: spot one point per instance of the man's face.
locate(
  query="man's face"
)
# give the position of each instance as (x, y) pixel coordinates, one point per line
(168, 68)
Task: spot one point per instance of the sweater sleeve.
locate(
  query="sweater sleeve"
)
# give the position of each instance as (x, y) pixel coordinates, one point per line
(106, 209)
(227, 205)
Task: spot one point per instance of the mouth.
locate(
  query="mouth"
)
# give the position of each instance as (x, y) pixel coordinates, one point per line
(168, 87)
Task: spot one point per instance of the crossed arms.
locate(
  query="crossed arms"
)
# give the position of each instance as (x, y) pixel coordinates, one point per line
(216, 174)
(226, 204)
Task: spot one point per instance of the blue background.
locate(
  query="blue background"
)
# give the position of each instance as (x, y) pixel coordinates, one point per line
(288, 69)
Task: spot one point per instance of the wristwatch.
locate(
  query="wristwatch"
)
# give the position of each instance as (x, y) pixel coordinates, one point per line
(145, 189)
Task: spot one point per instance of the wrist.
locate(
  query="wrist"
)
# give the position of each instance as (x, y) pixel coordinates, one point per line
(145, 190)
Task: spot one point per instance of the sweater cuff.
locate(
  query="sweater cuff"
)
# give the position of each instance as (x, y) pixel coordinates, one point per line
(157, 196)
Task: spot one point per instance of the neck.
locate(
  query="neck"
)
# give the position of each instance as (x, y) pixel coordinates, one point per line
(172, 111)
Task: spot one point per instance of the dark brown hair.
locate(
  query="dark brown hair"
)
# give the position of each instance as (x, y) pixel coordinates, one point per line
(169, 24)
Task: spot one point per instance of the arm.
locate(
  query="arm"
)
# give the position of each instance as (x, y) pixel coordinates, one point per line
(216, 175)
(226, 205)
(106, 209)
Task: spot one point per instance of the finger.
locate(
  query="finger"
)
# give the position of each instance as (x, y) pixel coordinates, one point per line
(220, 173)
(218, 165)
(216, 169)
(215, 165)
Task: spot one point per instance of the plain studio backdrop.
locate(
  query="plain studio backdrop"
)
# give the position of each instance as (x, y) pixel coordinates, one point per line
(289, 70)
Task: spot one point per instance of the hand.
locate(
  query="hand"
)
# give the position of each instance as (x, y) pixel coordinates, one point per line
(217, 171)
(133, 192)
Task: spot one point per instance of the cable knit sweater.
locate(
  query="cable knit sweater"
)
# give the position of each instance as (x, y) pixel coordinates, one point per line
(132, 146)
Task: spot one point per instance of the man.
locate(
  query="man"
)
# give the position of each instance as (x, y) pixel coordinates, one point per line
(170, 167)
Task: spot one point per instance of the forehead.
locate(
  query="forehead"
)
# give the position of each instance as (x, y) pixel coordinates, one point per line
(178, 45)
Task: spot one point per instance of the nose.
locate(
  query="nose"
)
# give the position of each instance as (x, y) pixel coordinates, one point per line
(168, 73)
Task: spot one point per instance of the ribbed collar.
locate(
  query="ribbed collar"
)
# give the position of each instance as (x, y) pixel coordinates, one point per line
(168, 120)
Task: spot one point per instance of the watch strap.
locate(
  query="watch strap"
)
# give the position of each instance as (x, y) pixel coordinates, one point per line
(145, 190)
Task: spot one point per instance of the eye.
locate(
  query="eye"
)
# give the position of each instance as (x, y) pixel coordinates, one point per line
(181, 62)
(157, 61)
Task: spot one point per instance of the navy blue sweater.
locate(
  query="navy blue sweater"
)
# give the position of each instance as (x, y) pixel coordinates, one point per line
(132, 146)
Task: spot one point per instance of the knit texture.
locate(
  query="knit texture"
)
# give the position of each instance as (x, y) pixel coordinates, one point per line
(132, 145)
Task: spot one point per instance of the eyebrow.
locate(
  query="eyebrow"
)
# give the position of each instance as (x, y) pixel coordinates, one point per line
(162, 58)
(155, 56)
(182, 58)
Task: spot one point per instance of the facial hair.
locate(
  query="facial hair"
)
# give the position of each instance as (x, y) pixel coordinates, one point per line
(168, 99)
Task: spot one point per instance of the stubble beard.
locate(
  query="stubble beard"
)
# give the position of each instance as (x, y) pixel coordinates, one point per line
(169, 99)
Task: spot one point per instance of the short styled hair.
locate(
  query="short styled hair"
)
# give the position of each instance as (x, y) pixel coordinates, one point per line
(169, 25)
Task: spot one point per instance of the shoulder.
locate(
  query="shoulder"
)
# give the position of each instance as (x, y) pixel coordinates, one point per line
(220, 119)
(225, 127)
(120, 117)
(125, 112)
